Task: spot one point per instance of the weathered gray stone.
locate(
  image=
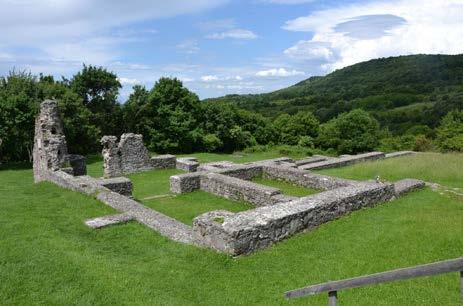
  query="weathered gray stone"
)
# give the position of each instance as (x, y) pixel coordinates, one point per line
(100, 222)
(161, 223)
(130, 156)
(50, 151)
(237, 189)
(248, 231)
(406, 185)
(399, 154)
(50, 148)
(121, 185)
(282, 198)
(111, 157)
(188, 164)
(163, 161)
(216, 166)
(134, 155)
(184, 183)
(343, 161)
(305, 179)
(311, 160)
(244, 172)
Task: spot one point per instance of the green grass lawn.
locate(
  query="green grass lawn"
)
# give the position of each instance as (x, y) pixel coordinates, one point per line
(445, 169)
(48, 256)
(286, 188)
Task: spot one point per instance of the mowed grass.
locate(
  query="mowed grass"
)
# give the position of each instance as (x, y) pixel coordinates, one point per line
(286, 188)
(48, 256)
(444, 169)
(152, 189)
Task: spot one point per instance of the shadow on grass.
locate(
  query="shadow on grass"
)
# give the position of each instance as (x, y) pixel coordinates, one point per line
(16, 166)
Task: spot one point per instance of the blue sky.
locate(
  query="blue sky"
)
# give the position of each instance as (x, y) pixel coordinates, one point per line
(220, 47)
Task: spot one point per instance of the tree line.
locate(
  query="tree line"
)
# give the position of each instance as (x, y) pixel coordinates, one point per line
(172, 119)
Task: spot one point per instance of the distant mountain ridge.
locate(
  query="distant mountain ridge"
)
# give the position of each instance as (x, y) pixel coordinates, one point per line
(399, 91)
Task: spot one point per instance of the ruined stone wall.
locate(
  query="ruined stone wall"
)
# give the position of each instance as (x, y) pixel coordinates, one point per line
(133, 154)
(248, 231)
(238, 189)
(343, 161)
(166, 161)
(130, 156)
(111, 157)
(188, 164)
(304, 178)
(50, 148)
(50, 151)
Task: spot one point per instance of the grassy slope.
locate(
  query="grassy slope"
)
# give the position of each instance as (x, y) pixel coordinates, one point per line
(431, 167)
(48, 256)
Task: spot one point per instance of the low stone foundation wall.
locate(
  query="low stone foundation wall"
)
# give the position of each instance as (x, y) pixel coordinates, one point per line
(343, 161)
(188, 164)
(184, 183)
(244, 172)
(163, 161)
(311, 160)
(246, 232)
(305, 179)
(121, 185)
(238, 189)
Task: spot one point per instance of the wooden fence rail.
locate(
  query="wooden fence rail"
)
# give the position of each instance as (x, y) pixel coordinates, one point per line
(441, 267)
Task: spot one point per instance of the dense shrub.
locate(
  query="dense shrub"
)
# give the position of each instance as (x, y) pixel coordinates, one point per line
(350, 133)
(290, 129)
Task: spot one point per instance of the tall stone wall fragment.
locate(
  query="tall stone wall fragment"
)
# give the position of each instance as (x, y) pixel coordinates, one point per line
(50, 151)
(130, 156)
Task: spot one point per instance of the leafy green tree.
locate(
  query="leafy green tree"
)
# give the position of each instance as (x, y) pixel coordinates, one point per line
(211, 142)
(98, 89)
(174, 127)
(450, 132)
(350, 133)
(19, 100)
(292, 128)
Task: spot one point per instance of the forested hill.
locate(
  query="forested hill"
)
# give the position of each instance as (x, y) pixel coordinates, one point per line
(400, 92)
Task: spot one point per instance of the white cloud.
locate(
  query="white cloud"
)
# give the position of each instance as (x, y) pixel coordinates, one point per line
(209, 78)
(129, 81)
(353, 33)
(218, 24)
(280, 72)
(234, 34)
(58, 36)
(189, 46)
(305, 49)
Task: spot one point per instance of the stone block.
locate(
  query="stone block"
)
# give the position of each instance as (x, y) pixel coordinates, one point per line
(343, 161)
(108, 220)
(237, 189)
(305, 179)
(184, 183)
(121, 185)
(163, 161)
(406, 185)
(187, 164)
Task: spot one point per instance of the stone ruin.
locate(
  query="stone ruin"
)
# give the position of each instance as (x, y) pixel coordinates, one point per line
(275, 217)
(50, 151)
(130, 156)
